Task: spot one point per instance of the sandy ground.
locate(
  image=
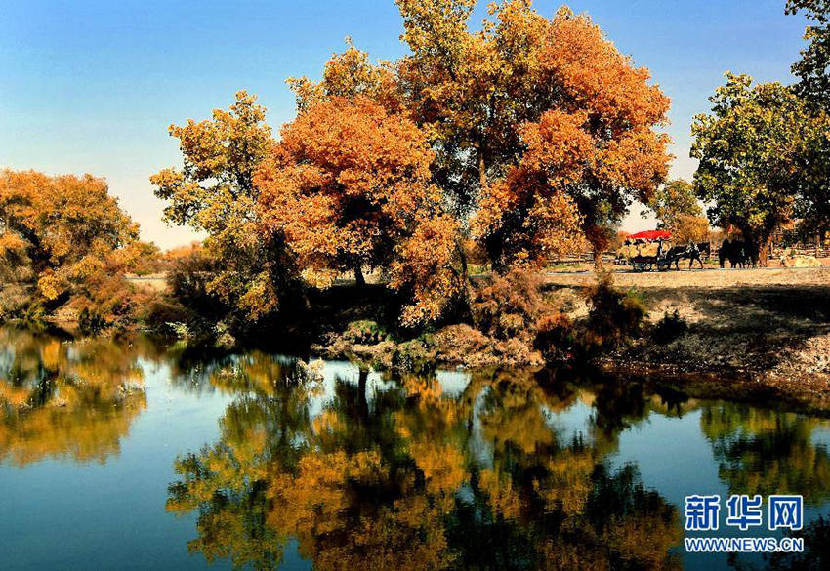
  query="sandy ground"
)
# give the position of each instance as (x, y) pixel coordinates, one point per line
(707, 277)
(156, 282)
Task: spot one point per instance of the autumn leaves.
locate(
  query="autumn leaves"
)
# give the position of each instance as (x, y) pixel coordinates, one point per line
(527, 136)
(64, 240)
(348, 186)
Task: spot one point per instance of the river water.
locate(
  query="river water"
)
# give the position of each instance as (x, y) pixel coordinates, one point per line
(134, 455)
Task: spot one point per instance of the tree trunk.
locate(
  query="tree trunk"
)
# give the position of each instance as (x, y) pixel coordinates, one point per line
(598, 259)
(598, 240)
(763, 253)
(462, 256)
(359, 280)
(482, 169)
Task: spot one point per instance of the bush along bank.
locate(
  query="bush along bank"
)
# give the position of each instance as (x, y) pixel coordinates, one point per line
(511, 321)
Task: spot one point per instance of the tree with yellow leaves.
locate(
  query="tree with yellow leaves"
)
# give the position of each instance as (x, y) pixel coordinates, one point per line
(68, 237)
(215, 192)
(541, 125)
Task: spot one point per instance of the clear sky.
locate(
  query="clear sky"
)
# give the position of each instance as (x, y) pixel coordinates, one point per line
(92, 86)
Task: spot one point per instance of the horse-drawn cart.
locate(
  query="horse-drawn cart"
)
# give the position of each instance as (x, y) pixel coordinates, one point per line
(654, 249)
(647, 250)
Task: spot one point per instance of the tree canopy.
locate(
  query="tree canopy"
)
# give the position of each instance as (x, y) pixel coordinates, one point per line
(813, 71)
(556, 90)
(348, 185)
(674, 199)
(676, 208)
(68, 237)
(215, 193)
(755, 152)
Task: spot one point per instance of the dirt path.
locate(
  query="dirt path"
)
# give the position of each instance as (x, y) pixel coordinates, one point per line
(706, 278)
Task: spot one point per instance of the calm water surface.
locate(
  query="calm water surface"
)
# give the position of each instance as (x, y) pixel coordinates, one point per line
(134, 456)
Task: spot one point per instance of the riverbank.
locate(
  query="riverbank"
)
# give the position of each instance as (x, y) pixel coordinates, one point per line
(764, 331)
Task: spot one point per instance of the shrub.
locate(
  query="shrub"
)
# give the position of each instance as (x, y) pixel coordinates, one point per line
(416, 356)
(188, 310)
(365, 332)
(34, 315)
(461, 343)
(188, 281)
(90, 322)
(14, 298)
(509, 305)
(670, 328)
(555, 337)
(615, 318)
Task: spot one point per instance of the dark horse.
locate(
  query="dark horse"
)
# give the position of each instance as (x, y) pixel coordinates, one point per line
(735, 252)
(705, 249)
(693, 252)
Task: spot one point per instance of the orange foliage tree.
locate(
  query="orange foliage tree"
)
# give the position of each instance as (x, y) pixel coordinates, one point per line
(581, 146)
(540, 126)
(485, 97)
(68, 237)
(349, 186)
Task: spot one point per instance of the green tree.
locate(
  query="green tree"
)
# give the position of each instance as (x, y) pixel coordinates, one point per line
(673, 200)
(215, 193)
(813, 71)
(755, 157)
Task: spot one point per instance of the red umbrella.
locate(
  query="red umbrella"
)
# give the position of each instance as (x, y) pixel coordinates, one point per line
(650, 235)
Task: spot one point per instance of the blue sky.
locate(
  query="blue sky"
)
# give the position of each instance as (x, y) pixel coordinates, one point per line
(92, 86)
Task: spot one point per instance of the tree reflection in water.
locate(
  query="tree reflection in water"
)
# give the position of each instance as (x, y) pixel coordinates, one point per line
(408, 476)
(762, 451)
(406, 472)
(65, 400)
